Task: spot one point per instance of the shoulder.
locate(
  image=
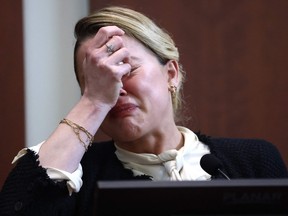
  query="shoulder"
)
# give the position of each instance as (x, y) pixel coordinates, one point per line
(235, 144)
(252, 157)
(248, 149)
(232, 144)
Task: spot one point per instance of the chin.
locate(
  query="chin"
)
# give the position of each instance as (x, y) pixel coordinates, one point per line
(125, 129)
(126, 133)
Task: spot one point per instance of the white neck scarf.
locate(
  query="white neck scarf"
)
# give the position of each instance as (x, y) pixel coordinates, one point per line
(182, 164)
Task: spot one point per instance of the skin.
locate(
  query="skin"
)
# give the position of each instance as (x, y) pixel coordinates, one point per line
(132, 96)
(144, 109)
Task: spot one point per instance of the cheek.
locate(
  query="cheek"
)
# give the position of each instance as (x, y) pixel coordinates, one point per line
(153, 94)
(140, 89)
(147, 81)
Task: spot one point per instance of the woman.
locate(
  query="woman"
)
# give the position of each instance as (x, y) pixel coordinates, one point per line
(130, 78)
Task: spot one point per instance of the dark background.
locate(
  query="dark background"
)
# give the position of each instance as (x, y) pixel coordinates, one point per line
(234, 53)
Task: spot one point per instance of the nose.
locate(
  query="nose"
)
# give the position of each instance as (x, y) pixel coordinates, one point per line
(123, 92)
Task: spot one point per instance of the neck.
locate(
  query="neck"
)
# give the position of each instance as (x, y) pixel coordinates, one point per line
(155, 142)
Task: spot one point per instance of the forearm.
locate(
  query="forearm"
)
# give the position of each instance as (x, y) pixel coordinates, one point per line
(63, 149)
(101, 83)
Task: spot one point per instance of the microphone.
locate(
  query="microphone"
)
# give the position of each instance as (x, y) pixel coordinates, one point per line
(212, 165)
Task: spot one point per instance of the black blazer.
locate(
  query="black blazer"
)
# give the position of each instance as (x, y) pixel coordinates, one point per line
(29, 191)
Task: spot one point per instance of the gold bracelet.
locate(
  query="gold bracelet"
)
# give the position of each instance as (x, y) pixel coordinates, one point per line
(77, 128)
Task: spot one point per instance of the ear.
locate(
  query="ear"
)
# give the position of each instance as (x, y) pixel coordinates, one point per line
(172, 72)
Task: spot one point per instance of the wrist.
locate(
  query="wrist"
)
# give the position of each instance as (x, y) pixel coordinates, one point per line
(88, 114)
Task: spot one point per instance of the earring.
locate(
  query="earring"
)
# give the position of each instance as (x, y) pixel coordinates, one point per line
(173, 90)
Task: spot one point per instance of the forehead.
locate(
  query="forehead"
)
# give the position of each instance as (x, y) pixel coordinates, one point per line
(136, 49)
(134, 46)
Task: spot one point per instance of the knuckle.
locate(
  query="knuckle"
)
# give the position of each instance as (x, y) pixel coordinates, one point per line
(119, 40)
(106, 30)
(103, 30)
(101, 64)
(126, 51)
(93, 55)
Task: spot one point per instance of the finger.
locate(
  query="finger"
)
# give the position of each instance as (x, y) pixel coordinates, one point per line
(125, 69)
(105, 33)
(119, 58)
(120, 70)
(112, 45)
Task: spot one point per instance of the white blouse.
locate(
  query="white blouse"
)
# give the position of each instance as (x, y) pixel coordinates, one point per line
(182, 164)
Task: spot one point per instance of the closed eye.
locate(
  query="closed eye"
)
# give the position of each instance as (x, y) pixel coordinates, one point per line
(132, 72)
(134, 68)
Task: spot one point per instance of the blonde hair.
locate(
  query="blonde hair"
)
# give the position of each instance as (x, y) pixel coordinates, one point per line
(139, 26)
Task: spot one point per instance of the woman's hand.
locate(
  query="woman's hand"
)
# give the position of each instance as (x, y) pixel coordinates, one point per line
(100, 72)
(103, 62)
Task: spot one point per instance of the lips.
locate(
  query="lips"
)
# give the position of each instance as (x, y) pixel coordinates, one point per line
(122, 110)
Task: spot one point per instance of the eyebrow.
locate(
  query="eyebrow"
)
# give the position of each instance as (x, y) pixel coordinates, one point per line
(134, 59)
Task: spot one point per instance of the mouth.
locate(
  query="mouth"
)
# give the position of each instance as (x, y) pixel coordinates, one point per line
(123, 110)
